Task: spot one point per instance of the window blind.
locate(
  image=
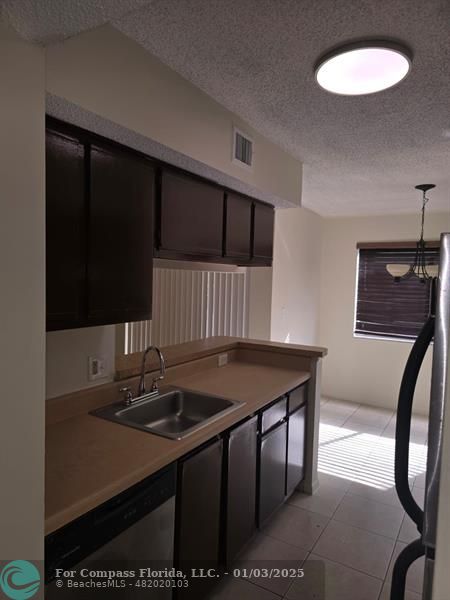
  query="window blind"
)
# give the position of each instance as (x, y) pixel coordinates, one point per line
(385, 307)
(191, 305)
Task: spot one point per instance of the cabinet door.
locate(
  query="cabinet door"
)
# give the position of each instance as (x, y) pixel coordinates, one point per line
(241, 488)
(296, 449)
(65, 231)
(238, 227)
(272, 475)
(191, 217)
(198, 523)
(120, 265)
(263, 231)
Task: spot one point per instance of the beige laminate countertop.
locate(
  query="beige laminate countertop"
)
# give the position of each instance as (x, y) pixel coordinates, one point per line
(89, 460)
(130, 364)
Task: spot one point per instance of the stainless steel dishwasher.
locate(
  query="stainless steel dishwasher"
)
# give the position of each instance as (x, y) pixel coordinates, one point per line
(131, 531)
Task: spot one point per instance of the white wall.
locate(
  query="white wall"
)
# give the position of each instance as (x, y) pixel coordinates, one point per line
(296, 276)
(107, 73)
(22, 309)
(260, 302)
(361, 369)
(67, 358)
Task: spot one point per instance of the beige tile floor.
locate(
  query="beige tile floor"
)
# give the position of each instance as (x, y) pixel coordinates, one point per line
(353, 528)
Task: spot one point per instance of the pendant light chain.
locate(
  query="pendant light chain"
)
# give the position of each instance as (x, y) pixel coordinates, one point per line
(419, 266)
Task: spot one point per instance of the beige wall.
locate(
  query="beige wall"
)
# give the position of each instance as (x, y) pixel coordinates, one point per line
(360, 369)
(22, 310)
(296, 276)
(105, 72)
(67, 358)
(260, 303)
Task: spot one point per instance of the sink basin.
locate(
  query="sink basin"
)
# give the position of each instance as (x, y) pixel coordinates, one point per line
(174, 414)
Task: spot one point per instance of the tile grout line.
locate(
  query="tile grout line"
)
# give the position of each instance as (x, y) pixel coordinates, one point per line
(348, 492)
(332, 518)
(367, 530)
(395, 541)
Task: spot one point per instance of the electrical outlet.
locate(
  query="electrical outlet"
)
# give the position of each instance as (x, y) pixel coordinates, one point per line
(96, 367)
(222, 359)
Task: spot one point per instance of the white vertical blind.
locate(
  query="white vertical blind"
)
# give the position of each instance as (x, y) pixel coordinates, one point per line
(191, 305)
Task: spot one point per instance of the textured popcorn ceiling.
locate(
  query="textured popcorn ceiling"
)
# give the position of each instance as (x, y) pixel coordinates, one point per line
(361, 155)
(47, 21)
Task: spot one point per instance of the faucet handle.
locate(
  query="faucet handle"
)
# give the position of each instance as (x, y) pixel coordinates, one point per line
(128, 394)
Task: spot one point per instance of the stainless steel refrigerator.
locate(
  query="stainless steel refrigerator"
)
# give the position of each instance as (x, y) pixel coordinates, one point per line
(437, 328)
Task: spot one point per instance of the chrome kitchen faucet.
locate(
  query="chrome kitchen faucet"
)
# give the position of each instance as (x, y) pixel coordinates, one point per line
(162, 371)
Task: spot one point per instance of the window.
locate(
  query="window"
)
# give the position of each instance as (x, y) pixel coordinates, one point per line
(385, 307)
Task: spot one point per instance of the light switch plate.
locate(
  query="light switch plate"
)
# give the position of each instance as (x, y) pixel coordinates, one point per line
(222, 359)
(96, 367)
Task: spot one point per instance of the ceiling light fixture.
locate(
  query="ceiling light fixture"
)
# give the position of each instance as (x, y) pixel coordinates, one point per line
(419, 268)
(363, 67)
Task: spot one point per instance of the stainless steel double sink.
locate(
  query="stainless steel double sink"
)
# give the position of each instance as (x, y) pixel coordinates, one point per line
(174, 413)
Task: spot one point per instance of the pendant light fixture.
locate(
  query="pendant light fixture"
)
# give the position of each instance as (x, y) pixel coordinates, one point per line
(419, 268)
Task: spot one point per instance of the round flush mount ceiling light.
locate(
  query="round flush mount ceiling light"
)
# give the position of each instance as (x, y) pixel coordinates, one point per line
(363, 67)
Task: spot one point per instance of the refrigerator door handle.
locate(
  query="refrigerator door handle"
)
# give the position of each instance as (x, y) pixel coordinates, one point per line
(439, 396)
(403, 425)
(404, 560)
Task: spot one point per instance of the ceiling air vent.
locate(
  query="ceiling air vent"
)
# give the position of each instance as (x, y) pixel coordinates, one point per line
(242, 149)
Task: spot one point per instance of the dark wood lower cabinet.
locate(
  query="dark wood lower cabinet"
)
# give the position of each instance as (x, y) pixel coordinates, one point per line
(295, 449)
(240, 492)
(233, 485)
(272, 472)
(198, 517)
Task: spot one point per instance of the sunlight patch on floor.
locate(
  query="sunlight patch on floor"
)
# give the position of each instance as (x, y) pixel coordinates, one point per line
(364, 457)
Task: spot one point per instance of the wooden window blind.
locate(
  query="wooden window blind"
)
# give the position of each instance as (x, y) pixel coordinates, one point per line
(385, 307)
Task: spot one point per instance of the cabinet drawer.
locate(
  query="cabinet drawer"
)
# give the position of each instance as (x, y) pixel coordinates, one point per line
(273, 415)
(297, 397)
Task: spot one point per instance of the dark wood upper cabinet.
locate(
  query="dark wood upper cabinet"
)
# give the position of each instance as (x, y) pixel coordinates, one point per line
(102, 234)
(238, 227)
(66, 231)
(263, 222)
(191, 218)
(120, 265)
